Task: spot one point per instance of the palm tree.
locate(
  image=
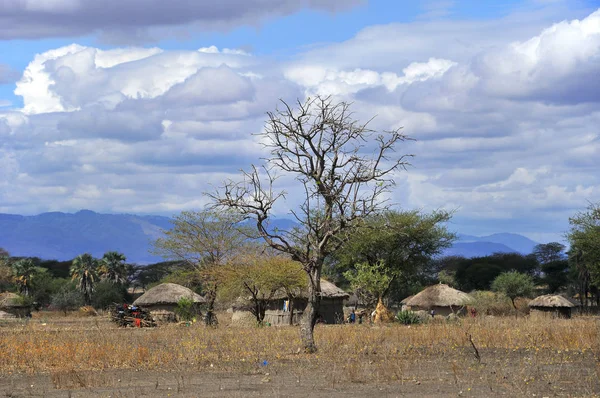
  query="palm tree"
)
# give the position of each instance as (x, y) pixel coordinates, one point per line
(113, 267)
(24, 271)
(85, 270)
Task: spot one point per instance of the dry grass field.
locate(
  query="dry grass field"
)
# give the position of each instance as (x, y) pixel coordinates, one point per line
(91, 357)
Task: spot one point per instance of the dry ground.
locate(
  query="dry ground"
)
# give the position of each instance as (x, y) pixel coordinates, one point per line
(58, 356)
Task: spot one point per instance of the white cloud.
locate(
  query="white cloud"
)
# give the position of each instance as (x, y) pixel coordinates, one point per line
(148, 130)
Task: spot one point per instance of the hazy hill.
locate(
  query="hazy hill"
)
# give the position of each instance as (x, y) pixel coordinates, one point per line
(62, 236)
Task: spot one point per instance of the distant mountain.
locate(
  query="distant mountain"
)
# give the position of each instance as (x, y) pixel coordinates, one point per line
(477, 249)
(63, 236)
(482, 244)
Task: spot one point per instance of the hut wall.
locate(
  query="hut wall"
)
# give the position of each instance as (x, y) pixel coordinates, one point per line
(162, 313)
(440, 311)
(331, 311)
(14, 312)
(550, 313)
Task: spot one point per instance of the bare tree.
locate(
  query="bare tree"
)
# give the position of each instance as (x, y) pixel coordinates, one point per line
(344, 170)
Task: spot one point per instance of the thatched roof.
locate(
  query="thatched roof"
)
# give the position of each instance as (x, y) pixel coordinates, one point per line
(403, 302)
(439, 296)
(167, 293)
(551, 301)
(328, 290)
(11, 300)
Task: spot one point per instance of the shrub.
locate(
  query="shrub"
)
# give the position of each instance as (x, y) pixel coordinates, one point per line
(407, 318)
(186, 309)
(68, 299)
(106, 293)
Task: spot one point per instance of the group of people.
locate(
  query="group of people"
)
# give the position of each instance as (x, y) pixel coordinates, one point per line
(352, 318)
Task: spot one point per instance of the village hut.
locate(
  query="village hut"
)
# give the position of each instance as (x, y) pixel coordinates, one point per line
(403, 305)
(440, 298)
(162, 301)
(12, 306)
(550, 306)
(284, 310)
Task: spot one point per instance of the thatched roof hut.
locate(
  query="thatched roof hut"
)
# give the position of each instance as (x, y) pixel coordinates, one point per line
(162, 300)
(440, 298)
(12, 306)
(282, 311)
(551, 306)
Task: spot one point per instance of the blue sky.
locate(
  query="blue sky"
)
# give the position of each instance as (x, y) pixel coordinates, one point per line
(140, 108)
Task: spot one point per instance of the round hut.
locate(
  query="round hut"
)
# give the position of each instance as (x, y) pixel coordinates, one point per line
(440, 298)
(550, 306)
(162, 300)
(11, 306)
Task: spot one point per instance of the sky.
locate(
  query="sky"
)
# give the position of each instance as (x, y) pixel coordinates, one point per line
(142, 106)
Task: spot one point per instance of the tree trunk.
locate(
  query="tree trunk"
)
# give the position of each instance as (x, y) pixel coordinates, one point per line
(210, 310)
(309, 317)
(291, 310)
(515, 307)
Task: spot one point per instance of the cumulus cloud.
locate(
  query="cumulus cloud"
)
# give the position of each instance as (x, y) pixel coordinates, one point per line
(134, 20)
(105, 128)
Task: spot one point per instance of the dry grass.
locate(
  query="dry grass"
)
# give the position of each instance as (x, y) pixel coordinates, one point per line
(535, 351)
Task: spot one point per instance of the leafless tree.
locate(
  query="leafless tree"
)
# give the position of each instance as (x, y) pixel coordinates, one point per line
(344, 168)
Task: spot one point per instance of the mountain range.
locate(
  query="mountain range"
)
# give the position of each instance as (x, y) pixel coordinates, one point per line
(63, 236)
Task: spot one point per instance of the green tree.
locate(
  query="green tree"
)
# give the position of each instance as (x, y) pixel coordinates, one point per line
(370, 282)
(549, 252)
(513, 284)
(259, 277)
(205, 240)
(84, 270)
(107, 293)
(343, 170)
(67, 299)
(6, 275)
(397, 244)
(25, 271)
(584, 237)
(113, 268)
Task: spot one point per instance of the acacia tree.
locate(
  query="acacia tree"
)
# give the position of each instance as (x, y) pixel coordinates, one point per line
(397, 245)
(205, 240)
(343, 170)
(584, 237)
(260, 278)
(513, 284)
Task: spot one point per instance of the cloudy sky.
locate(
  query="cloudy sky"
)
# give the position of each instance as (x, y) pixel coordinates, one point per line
(140, 106)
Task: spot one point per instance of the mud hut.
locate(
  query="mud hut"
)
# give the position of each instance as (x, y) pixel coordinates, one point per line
(440, 298)
(162, 301)
(550, 306)
(284, 310)
(11, 306)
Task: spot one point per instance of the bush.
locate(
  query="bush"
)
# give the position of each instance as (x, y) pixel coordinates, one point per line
(107, 293)
(408, 318)
(186, 309)
(496, 304)
(68, 299)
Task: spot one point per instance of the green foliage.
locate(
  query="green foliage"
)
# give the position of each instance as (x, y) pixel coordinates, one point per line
(447, 277)
(556, 275)
(190, 278)
(186, 309)
(44, 286)
(24, 272)
(112, 268)
(84, 270)
(67, 299)
(513, 284)
(549, 252)
(407, 318)
(478, 273)
(258, 277)
(151, 274)
(370, 282)
(584, 237)
(106, 293)
(403, 241)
